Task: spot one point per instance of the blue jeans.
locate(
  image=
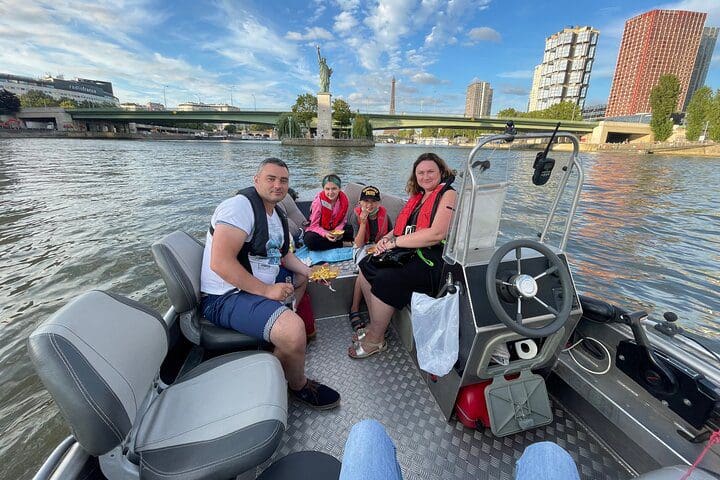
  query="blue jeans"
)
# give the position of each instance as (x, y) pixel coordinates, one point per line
(545, 461)
(370, 455)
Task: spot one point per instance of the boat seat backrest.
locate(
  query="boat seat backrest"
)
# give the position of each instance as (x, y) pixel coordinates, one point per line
(392, 203)
(179, 257)
(296, 219)
(98, 357)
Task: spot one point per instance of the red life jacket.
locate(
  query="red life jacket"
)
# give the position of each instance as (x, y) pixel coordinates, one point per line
(382, 222)
(327, 220)
(427, 209)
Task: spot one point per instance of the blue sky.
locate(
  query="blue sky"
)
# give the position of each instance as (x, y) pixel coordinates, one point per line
(263, 53)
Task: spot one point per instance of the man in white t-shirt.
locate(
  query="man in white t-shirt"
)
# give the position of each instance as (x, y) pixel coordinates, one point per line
(245, 266)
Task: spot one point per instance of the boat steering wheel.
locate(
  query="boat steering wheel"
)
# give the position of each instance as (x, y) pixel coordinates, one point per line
(521, 286)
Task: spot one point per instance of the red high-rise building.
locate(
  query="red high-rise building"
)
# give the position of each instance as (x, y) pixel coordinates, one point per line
(656, 43)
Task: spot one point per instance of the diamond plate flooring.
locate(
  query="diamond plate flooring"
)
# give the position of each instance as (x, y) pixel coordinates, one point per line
(389, 388)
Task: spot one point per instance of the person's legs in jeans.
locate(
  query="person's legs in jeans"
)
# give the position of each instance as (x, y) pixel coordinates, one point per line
(369, 454)
(545, 461)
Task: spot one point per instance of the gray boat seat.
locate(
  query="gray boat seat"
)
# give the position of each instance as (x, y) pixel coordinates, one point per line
(179, 258)
(99, 357)
(392, 203)
(296, 219)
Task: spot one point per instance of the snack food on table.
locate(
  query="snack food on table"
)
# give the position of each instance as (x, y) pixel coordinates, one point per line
(324, 272)
(337, 233)
(371, 250)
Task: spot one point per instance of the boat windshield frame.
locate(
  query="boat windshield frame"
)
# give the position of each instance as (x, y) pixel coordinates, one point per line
(457, 251)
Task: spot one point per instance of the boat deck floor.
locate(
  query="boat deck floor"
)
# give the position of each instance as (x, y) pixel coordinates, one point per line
(389, 388)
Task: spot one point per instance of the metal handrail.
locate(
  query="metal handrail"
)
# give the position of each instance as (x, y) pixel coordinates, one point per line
(469, 176)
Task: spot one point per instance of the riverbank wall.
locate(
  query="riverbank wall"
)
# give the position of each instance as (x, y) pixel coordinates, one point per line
(328, 142)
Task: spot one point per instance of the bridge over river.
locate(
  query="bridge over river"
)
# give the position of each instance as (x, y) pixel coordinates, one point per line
(601, 132)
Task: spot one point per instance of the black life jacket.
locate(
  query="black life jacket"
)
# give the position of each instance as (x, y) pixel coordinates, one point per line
(260, 234)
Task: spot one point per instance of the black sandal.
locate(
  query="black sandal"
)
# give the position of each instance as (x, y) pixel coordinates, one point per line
(356, 321)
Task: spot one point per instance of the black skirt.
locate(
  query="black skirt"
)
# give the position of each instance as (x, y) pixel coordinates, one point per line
(394, 286)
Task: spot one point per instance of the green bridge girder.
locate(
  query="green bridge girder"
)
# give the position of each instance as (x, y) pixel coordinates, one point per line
(379, 121)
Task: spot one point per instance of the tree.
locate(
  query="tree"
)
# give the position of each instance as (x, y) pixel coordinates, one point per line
(66, 102)
(305, 108)
(231, 129)
(361, 128)
(510, 113)
(429, 132)
(563, 111)
(342, 114)
(36, 98)
(697, 113)
(714, 118)
(9, 103)
(288, 127)
(663, 99)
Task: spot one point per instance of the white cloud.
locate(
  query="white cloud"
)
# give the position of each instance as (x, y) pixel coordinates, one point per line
(345, 22)
(479, 34)
(314, 33)
(427, 79)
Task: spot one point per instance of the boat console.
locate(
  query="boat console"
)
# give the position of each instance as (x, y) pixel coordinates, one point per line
(518, 302)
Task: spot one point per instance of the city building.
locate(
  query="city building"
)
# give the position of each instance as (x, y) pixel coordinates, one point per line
(154, 107)
(80, 89)
(478, 100)
(702, 61)
(202, 107)
(655, 43)
(594, 113)
(564, 74)
(132, 107)
(532, 102)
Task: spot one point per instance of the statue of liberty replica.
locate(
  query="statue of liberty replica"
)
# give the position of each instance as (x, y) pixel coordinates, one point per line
(325, 73)
(324, 112)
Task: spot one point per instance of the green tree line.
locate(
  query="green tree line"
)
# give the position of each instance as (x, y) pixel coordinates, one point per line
(703, 111)
(305, 109)
(36, 98)
(560, 111)
(9, 103)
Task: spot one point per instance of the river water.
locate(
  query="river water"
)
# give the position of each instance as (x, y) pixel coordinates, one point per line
(81, 214)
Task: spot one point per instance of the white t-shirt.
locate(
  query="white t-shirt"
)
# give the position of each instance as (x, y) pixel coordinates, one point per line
(237, 212)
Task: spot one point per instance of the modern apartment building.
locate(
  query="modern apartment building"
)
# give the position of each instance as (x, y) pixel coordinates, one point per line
(478, 100)
(532, 102)
(564, 74)
(79, 89)
(702, 61)
(655, 43)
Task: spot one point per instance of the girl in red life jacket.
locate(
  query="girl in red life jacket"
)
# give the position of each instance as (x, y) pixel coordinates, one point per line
(422, 224)
(328, 214)
(371, 223)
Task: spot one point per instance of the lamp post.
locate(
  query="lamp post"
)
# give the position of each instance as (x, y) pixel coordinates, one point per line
(164, 97)
(231, 95)
(704, 135)
(254, 102)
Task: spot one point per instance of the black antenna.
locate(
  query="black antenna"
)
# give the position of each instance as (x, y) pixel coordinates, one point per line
(547, 149)
(543, 165)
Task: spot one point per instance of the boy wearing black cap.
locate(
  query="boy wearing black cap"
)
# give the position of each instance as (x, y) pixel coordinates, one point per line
(371, 223)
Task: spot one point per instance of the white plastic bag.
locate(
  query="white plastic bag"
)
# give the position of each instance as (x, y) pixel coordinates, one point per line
(435, 323)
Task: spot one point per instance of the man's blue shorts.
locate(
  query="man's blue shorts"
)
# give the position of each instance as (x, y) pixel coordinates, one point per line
(247, 313)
